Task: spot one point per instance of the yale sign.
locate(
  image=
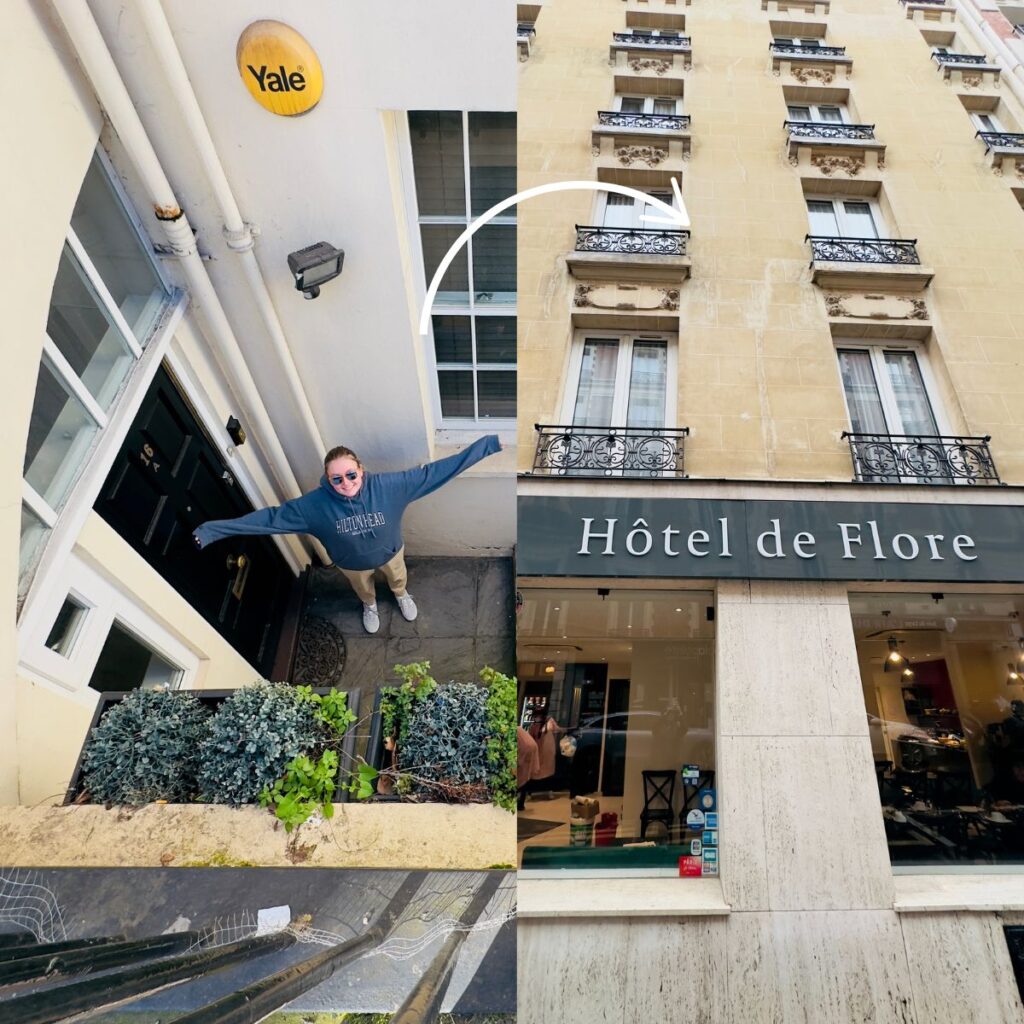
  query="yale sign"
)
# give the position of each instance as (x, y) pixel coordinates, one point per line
(279, 68)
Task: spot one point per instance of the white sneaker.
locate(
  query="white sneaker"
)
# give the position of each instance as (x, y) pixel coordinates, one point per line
(407, 606)
(371, 620)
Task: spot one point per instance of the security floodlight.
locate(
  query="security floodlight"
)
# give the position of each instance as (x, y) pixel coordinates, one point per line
(315, 265)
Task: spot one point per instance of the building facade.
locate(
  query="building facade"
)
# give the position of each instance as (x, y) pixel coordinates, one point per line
(770, 510)
(163, 367)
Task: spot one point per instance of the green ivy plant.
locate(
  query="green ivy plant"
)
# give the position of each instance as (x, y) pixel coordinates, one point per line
(502, 751)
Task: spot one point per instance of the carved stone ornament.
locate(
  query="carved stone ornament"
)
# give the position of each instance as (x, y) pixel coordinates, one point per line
(829, 163)
(805, 75)
(595, 150)
(669, 299)
(658, 66)
(649, 155)
(834, 306)
(970, 80)
(1018, 169)
(864, 307)
(582, 295)
(320, 658)
(919, 311)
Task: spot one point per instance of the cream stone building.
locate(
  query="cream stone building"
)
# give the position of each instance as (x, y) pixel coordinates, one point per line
(162, 367)
(771, 511)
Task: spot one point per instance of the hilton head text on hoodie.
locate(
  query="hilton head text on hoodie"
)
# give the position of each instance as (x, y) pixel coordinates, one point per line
(361, 532)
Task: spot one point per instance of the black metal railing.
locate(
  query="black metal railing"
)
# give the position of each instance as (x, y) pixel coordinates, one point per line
(933, 3)
(664, 122)
(648, 452)
(1008, 140)
(665, 42)
(863, 250)
(799, 50)
(525, 31)
(910, 458)
(960, 58)
(645, 241)
(829, 130)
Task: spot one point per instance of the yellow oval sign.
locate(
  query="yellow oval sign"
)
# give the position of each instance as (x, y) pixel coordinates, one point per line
(280, 69)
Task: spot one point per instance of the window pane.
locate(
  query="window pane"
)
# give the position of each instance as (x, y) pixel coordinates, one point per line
(65, 629)
(866, 415)
(618, 211)
(494, 264)
(632, 105)
(822, 217)
(452, 341)
(496, 339)
(127, 664)
(831, 114)
(438, 166)
(915, 411)
(59, 434)
(85, 334)
(437, 240)
(622, 683)
(456, 387)
(492, 159)
(946, 724)
(497, 390)
(596, 391)
(799, 113)
(647, 383)
(33, 532)
(859, 222)
(121, 258)
(667, 106)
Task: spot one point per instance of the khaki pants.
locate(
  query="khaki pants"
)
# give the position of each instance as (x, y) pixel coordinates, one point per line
(362, 579)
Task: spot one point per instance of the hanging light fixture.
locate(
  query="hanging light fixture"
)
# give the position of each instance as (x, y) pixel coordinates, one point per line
(894, 661)
(1012, 675)
(908, 673)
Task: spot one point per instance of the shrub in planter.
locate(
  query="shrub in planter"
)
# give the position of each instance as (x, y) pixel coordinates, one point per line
(145, 748)
(253, 737)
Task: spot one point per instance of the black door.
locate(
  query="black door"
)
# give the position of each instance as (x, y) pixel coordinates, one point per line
(167, 479)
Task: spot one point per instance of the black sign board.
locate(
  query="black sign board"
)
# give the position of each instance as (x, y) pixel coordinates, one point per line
(779, 540)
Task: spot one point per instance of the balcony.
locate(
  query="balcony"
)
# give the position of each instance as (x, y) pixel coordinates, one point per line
(525, 35)
(648, 453)
(828, 147)
(971, 70)
(650, 140)
(867, 262)
(815, 8)
(1003, 148)
(641, 51)
(810, 64)
(921, 459)
(929, 11)
(630, 254)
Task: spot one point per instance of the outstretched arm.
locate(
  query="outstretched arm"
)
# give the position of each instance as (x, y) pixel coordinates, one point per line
(287, 518)
(423, 480)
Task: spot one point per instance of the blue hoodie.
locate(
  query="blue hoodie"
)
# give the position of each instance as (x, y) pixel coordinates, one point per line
(361, 532)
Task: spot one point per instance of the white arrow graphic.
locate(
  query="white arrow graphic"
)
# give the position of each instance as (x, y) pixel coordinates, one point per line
(676, 217)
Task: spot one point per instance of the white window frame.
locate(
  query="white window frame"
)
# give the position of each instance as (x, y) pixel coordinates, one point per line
(881, 228)
(105, 604)
(876, 350)
(658, 33)
(625, 341)
(648, 101)
(454, 427)
(815, 112)
(811, 42)
(601, 206)
(977, 115)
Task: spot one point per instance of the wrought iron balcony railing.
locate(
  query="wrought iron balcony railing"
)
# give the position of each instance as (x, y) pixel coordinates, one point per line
(664, 122)
(828, 130)
(1005, 140)
(525, 31)
(831, 249)
(796, 49)
(960, 58)
(662, 42)
(647, 452)
(642, 241)
(896, 458)
(933, 3)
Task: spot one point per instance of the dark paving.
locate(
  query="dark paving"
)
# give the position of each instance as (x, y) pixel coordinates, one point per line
(466, 622)
(152, 901)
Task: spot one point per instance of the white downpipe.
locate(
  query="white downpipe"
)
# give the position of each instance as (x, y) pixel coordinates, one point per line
(977, 25)
(89, 46)
(237, 232)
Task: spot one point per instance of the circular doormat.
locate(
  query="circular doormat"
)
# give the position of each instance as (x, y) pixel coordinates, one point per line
(320, 654)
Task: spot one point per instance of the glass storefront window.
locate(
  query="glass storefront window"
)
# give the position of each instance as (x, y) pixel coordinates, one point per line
(943, 679)
(616, 729)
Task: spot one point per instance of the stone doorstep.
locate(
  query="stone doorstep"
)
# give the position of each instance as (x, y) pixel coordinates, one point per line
(409, 836)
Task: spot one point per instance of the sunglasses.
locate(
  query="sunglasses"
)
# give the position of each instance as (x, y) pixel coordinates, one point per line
(350, 475)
